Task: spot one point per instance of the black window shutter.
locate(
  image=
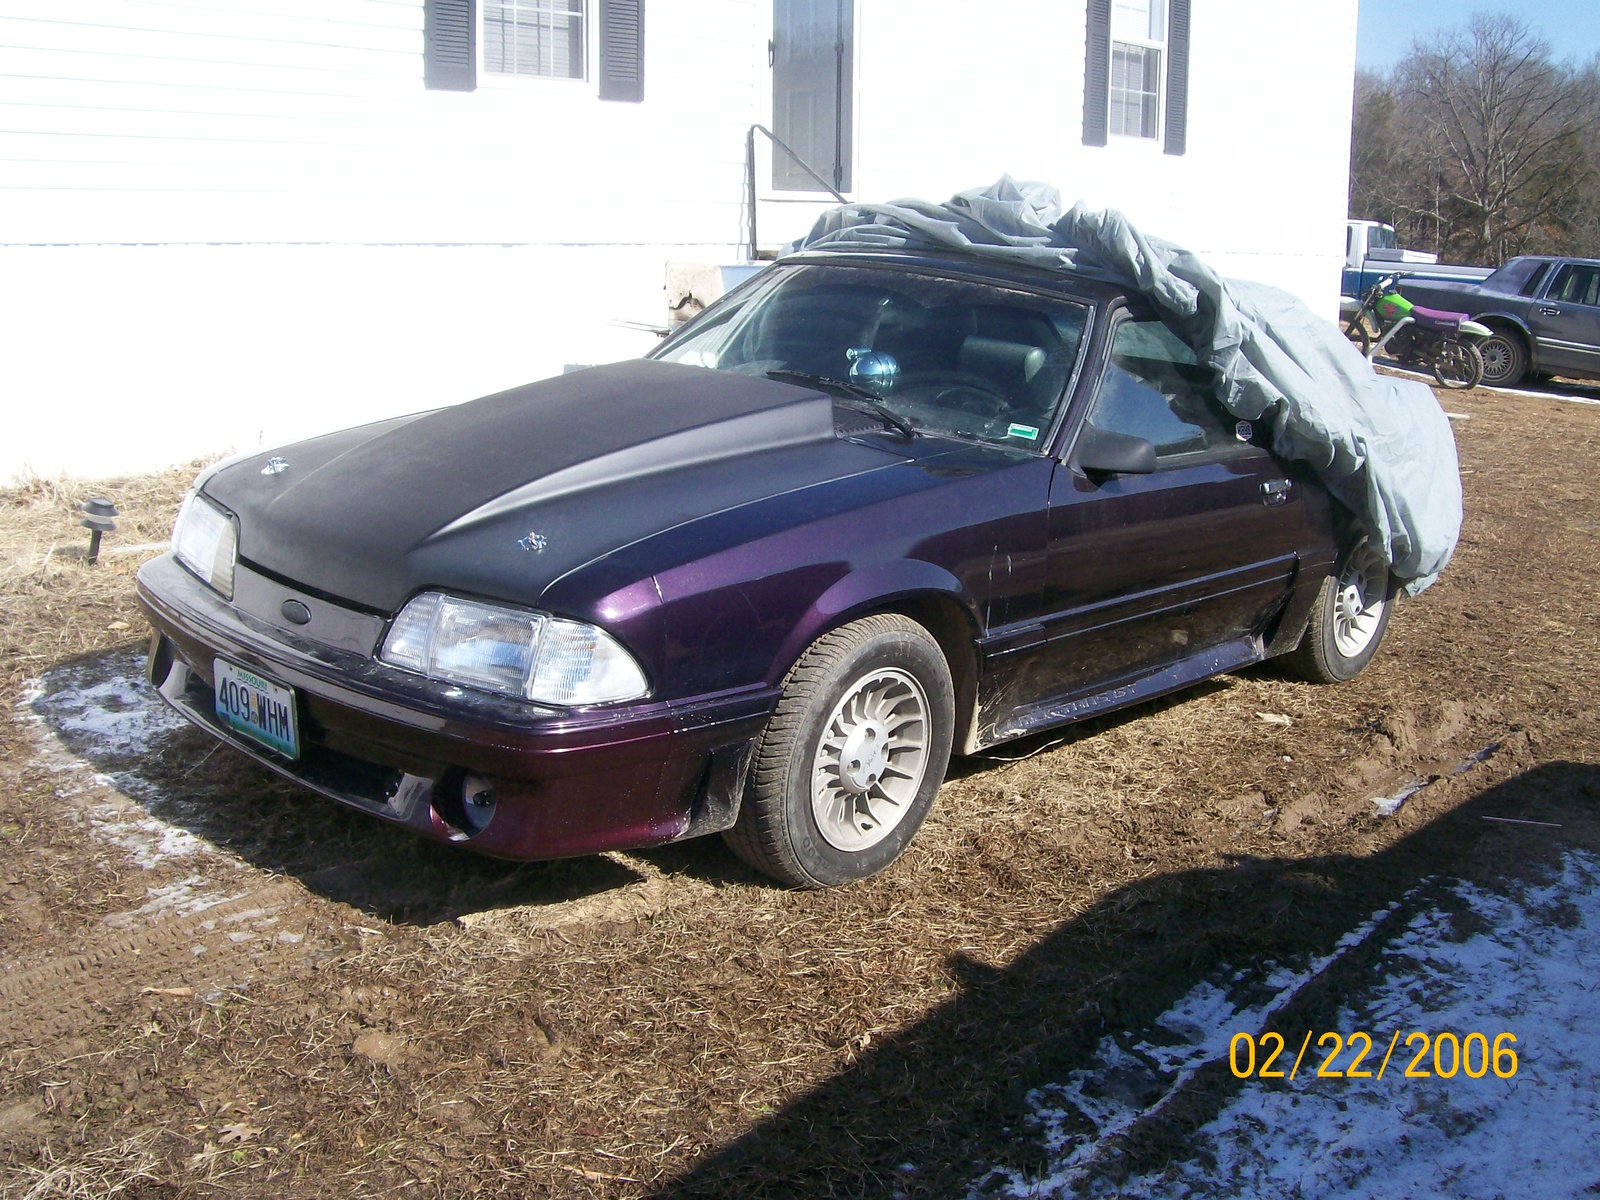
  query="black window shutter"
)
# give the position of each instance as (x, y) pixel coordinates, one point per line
(1097, 74)
(622, 50)
(1178, 77)
(450, 45)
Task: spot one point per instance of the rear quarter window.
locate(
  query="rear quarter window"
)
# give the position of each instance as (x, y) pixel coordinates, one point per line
(1519, 277)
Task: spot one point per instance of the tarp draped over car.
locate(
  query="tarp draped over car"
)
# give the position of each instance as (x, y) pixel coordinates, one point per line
(1381, 445)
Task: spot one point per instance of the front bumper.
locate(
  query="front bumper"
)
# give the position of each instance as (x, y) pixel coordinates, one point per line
(397, 746)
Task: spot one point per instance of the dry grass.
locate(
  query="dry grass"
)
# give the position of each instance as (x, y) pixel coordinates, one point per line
(668, 1022)
(53, 605)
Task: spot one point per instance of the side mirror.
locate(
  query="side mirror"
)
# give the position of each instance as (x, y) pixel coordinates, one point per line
(1102, 452)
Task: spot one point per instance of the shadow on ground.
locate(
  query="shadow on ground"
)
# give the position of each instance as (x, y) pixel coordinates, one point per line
(938, 1107)
(108, 717)
(105, 713)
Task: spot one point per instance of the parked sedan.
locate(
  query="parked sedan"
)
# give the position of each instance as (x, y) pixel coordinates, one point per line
(1544, 313)
(869, 510)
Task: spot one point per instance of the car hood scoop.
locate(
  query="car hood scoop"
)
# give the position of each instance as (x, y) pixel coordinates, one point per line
(371, 513)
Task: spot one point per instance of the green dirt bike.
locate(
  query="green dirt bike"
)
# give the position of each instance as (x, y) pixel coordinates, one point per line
(1442, 342)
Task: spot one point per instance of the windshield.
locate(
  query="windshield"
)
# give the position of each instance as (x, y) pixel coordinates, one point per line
(976, 360)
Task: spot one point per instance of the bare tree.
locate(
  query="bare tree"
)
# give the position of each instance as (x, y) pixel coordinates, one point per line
(1391, 175)
(1503, 135)
(1372, 149)
(1584, 238)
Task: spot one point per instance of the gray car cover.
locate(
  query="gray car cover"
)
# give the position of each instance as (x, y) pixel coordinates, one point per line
(1381, 445)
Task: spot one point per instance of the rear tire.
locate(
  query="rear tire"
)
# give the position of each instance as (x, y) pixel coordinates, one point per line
(1505, 359)
(854, 754)
(1457, 364)
(1348, 619)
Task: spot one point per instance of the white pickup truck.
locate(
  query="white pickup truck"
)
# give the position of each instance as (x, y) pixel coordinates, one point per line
(1371, 252)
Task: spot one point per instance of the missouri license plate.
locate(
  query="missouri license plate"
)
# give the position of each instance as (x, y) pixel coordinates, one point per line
(258, 708)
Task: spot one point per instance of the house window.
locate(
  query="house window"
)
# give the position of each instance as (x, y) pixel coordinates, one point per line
(1138, 40)
(538, 38)
(1136, 72)
(534, 39)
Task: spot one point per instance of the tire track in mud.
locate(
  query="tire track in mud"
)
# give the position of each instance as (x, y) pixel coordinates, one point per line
(224, 945)
(225, 925)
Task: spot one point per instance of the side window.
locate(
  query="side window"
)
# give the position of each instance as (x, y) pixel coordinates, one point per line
(1155, 388)
(1577, 285)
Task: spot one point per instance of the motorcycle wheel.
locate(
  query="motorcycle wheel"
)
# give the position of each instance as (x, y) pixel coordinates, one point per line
(1457, 364)
(1356, 331)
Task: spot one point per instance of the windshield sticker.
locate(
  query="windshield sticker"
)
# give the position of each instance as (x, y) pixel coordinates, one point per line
(1244, 431)
(1023, 431)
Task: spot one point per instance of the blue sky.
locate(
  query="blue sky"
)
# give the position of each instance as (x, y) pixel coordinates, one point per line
(1387, 27)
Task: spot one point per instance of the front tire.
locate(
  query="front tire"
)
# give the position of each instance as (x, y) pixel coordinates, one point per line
(1505, 359)
(1348, 618)
(851, 761)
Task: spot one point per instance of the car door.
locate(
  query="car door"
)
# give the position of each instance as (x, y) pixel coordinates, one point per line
(1567, 321)
(1188, 562)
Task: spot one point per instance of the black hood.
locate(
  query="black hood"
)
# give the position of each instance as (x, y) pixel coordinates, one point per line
(503, 495)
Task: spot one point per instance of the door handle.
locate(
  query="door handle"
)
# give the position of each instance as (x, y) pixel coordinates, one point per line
(1546, 310)
(1275, 492)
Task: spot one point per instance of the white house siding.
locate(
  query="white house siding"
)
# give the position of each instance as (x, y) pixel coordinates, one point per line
(1261, 190)
(226, 223)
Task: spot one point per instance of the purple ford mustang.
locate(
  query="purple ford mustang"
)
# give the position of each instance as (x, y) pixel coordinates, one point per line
(867, 511)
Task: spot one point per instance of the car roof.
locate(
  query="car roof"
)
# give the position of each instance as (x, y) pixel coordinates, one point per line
(979, 266)
(1550, 258)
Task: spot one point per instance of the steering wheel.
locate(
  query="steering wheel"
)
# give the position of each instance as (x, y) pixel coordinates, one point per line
(967, 393)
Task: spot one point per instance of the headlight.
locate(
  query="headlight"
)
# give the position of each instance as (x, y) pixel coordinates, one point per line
(513, 652)
(206, 541)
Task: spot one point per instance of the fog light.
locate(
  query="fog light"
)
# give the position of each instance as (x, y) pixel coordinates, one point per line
(477, 802)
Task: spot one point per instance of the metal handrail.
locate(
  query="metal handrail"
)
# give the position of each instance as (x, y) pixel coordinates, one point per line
(750, 167)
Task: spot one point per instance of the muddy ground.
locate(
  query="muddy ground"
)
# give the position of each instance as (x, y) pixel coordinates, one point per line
(212, 983)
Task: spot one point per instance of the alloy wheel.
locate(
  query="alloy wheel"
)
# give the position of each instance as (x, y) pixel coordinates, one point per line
(871, 759)
(1358, 607)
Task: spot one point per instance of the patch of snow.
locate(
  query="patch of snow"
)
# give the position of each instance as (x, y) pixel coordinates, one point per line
(149, 840)
(1573, 397)
(1387, 806)
(92, 723)
(182, 898)
(1519, 962)
(119, 714)
(1130, 1079)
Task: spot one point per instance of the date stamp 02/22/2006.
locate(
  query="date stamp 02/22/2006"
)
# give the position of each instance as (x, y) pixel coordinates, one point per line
(1350, 1056)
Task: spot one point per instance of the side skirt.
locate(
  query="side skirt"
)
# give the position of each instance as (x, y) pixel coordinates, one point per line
(1048, 714)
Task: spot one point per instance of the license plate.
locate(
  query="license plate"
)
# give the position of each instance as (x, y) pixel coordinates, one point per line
(259, 709)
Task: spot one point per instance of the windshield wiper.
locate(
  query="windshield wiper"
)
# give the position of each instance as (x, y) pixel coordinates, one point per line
(854, 397)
